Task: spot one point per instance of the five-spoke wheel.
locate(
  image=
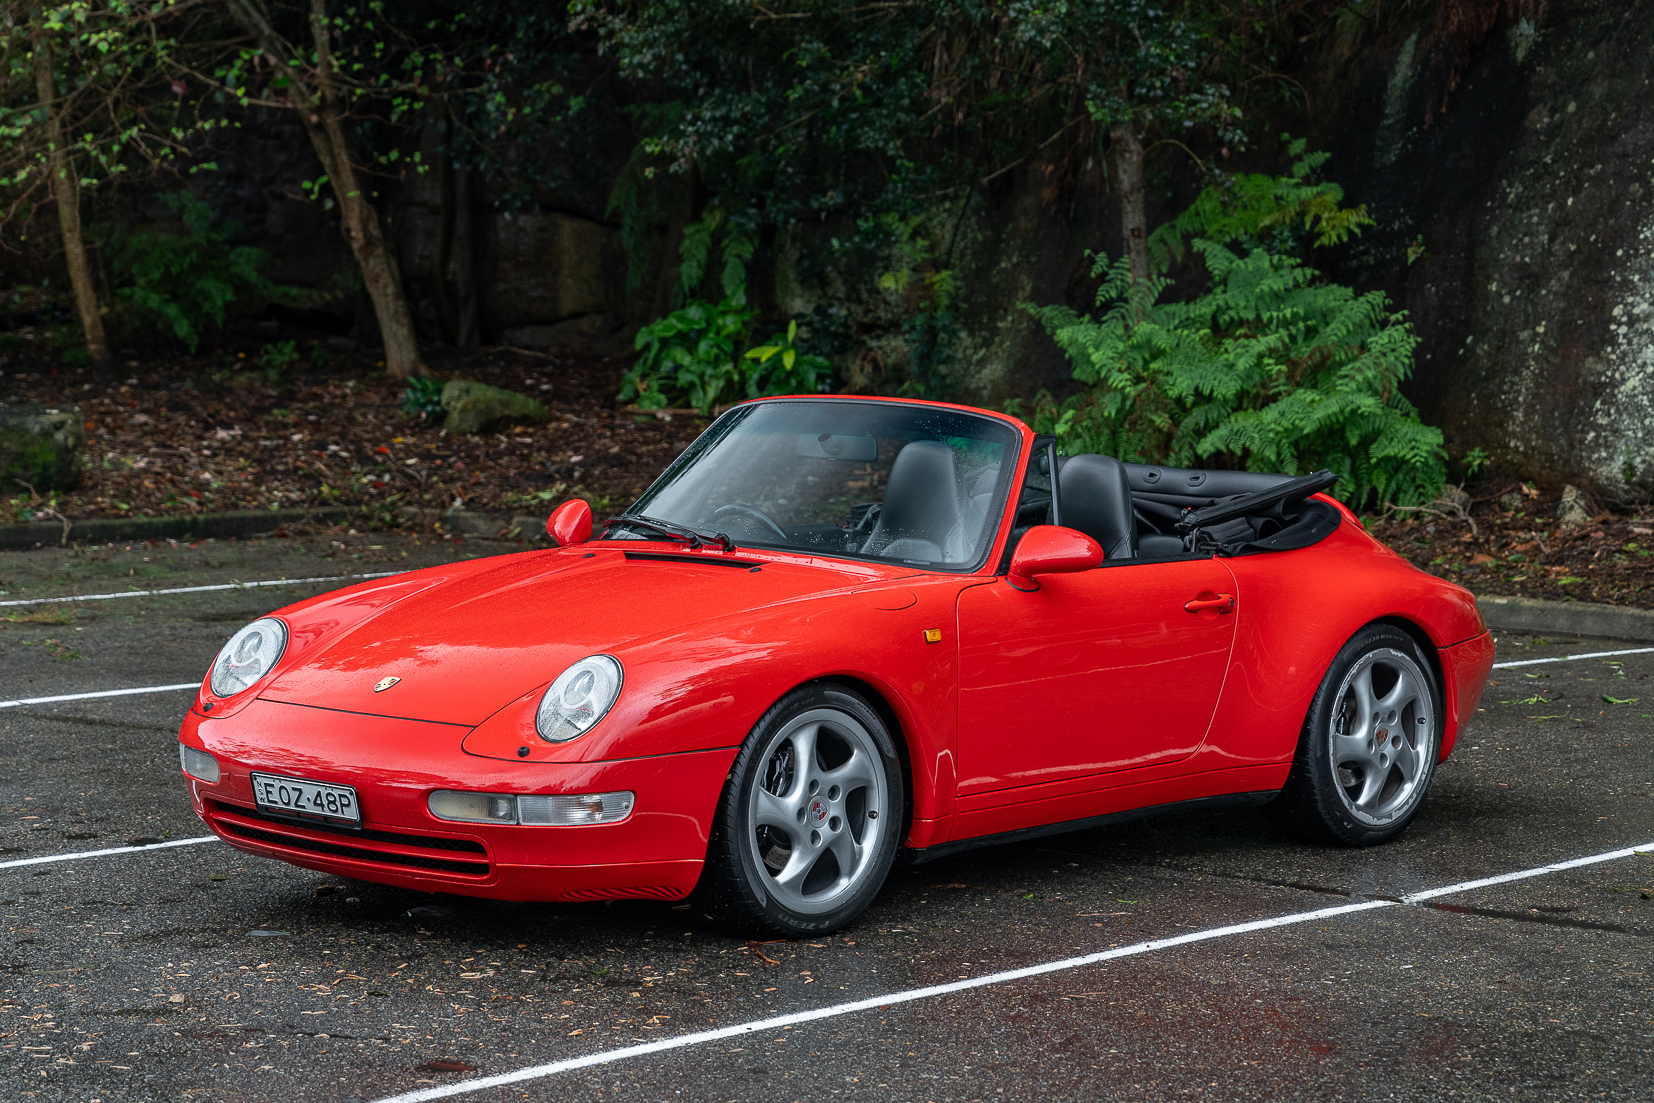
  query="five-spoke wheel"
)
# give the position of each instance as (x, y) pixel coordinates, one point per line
(809, 822)
(1382, 735)
(1369, 746)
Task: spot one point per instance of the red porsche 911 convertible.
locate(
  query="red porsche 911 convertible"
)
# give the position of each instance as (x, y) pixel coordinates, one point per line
(836, 628)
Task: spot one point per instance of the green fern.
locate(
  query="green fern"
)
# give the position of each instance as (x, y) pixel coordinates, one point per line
(1273, 211)
(1271, 369)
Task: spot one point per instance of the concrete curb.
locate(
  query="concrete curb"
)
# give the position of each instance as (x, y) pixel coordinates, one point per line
(199, 526)
(251, 522)
(1566, 618)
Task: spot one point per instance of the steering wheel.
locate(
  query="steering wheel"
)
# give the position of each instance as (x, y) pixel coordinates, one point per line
(747, 513)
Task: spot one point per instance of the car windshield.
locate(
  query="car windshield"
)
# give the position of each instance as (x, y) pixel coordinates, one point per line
(867, 480)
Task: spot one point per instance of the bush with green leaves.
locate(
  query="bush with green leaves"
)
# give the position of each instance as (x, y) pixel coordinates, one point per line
(698, 354)
(1271, 368)
(183, 283)
(423, 398)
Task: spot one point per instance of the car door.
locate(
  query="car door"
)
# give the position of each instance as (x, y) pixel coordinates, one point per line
(1095, 672)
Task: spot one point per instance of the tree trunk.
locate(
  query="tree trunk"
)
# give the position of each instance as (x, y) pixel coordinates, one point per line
(66, 189)
(318, 110)
(358, 219)
(1125, 152)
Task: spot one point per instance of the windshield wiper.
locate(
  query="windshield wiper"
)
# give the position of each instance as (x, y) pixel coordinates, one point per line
(676, 531)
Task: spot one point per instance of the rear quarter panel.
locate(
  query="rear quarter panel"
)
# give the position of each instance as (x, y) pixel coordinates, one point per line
(1296, 609)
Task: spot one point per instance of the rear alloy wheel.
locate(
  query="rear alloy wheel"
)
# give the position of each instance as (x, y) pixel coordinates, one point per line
(1369, 747)
(809, 821)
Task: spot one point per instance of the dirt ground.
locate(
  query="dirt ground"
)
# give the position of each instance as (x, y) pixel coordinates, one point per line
(1525, 552)
(217, 432)
(208, 437)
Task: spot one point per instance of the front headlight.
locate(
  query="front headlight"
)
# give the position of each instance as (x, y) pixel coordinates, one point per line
(580, 697)
(251, 654)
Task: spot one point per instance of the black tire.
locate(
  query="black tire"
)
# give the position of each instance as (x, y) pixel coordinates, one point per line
(1367, 753)
(784, 828)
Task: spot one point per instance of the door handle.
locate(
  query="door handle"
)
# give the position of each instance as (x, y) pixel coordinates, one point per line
(1208, 601)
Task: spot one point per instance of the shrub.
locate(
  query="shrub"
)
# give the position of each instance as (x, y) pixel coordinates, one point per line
(694, 354)
(1272, 368)
(184, 282)
(423, 397)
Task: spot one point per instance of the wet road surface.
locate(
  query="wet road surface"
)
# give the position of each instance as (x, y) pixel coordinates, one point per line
(199, 973)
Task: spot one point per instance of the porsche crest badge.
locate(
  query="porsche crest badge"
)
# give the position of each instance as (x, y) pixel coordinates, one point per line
(385, 683)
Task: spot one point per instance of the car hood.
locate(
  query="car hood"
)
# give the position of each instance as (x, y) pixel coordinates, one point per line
(464, 647)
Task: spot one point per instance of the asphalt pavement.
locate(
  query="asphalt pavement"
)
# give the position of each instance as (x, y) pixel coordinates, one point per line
(199, 973)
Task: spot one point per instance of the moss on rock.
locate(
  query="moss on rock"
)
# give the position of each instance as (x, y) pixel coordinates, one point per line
(477, 407)
(43, 447)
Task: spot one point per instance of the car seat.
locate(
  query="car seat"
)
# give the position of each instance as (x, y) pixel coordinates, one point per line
(1095, 496)
(923, 513)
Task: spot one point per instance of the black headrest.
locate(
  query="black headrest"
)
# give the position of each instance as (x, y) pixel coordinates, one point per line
(1094, 495)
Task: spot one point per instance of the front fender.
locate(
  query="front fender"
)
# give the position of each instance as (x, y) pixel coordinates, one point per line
(707, 686)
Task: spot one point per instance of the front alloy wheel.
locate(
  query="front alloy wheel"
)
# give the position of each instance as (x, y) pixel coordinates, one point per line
(809, 821)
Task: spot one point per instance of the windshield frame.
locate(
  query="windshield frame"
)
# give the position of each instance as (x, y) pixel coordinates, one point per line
(725, 421)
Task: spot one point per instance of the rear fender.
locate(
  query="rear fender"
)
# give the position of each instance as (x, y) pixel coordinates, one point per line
(1296, 609)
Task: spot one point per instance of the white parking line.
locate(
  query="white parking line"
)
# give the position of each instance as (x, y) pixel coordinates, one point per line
(103, 853)
(19, 703)
(1574, 658)
(201, 589)
(536, 1072)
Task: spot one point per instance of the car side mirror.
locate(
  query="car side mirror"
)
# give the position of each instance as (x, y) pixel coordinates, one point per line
(1051, 549)
(570, 523)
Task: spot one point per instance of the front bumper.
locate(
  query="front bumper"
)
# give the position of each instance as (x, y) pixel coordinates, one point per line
(656, 853)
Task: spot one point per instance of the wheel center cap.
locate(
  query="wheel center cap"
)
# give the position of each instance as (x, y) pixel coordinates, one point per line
(818, 811)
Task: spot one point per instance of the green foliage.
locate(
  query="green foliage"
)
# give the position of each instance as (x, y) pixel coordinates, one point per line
(119, 66)
(691, 352)
(423, 398)
(184, 282)
(1272, 368)
(863, 116)
(782, 367)
(1287, 214)
(695, 352)
(277, 359)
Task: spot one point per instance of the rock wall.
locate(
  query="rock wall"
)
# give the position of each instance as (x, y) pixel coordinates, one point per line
(1528, 190)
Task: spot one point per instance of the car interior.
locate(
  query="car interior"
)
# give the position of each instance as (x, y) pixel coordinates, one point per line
(1133, 510)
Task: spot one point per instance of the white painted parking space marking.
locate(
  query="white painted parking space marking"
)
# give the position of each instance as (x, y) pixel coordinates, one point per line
(537, 1072)
(20, 702)
(201, 589)
(1574, 658)
(106, 852)
(1524, 874)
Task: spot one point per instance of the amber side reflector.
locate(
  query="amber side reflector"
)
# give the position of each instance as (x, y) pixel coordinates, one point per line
(933, 635)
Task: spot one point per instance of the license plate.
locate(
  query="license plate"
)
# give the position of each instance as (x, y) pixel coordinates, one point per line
(296, 796)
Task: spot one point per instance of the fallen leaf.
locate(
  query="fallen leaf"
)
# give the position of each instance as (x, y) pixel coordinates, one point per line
(1619, 700)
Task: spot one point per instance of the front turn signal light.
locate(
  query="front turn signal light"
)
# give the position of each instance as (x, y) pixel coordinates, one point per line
(198, 764)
